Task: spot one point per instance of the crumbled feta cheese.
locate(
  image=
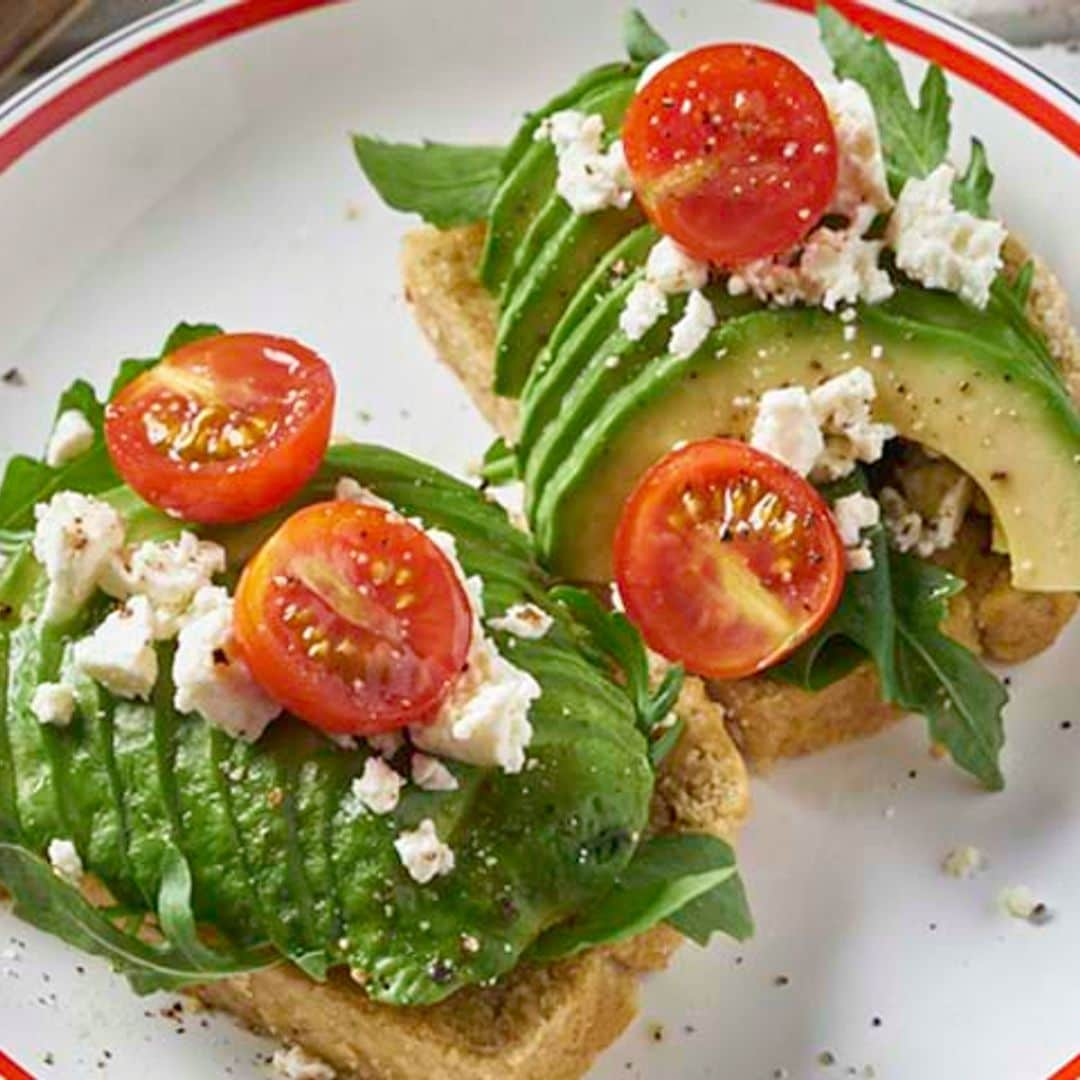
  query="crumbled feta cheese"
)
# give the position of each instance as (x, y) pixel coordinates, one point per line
(645, 305)
(53, 703)
(484, 719)
(589, 177)
(120, 654)
(71, 437)
(909, 531)
(210, 680)
(1017, 901)
(387, 744)
(379, 788)
(65, 861)
(787, 428)
(423, 854)
(168, 573)
(963, 862)
(432, 775)
(842, 408)
(693, 328)
(523, 621)
(672, 269)
(296, 1064)
(75, 538)
(350, 490)
(853, 513)
(942, 247)
(654, 67)
(861, 178)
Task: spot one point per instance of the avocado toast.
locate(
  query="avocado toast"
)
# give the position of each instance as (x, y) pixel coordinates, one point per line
(472, 887)
(948, 372)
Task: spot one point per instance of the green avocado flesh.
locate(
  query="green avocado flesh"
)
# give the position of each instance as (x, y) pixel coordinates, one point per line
(277, 854)
(529, 169)
(948, 377)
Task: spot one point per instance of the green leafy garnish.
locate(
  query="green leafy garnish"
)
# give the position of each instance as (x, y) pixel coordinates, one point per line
(446, 185)
(615, 638)
(939, 678)
(642, 42)
(181, 959)
(500, 464)
(914, 137)
(686, 879)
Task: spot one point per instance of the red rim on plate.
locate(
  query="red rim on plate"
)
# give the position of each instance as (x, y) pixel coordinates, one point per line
(217, 25)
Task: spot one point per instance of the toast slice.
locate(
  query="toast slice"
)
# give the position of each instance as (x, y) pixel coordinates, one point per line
(542, 1023)
(768, 720)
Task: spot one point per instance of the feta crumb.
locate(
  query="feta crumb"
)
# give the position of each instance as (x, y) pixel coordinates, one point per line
(842, 408)
(120, 654)
(297, 1064)
(963, 862)
(1017, 901)
(672, 269)
(349, 490)
(387, 744)
(693, 328)
(65, 861)
(75, 538)
(786, 428)
(645, 305)
(942, 247)
(71, 437)
(432, 775)
(861, 176)
(484, 720)
(523, 621)
(853, 513)
(53, 703)
(210, 680)
(423, 854)
(909, 531)
(378, 789)
(589, 177)
(168, 573)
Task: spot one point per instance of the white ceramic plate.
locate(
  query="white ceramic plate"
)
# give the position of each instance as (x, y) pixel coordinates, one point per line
(220, 185)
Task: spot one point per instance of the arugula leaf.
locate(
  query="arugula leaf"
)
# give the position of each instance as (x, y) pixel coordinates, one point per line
(914, 139)
(863, 624)
(972, 190)
(615, 638)
(642, 42)
(52, 905)
(446, 185)
(186, 333)
(687, 878)
(939, 678)
(500, 464)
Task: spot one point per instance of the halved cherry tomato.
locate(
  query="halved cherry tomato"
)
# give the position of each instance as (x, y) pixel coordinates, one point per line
(224, 429)
(353, 619)
(732, 152)
(726, 559)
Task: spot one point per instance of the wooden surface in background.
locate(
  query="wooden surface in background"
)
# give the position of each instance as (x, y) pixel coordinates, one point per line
(26, 26)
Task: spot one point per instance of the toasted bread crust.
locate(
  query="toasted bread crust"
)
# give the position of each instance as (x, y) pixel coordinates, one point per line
(768, 720)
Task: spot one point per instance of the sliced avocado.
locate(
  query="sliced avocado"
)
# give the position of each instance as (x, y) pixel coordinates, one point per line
(531, 170)
(614, 363)
(610, 273)
(556, 275)
(947, 376)
(551, 215)
(209, 838)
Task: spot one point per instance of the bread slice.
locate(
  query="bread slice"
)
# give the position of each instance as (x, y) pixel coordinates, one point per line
(768, 720)
(545, 1023)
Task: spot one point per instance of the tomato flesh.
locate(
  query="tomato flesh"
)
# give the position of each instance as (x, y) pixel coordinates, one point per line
(224, 429)
(732, 152)
(726, 559)
(353, 619)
